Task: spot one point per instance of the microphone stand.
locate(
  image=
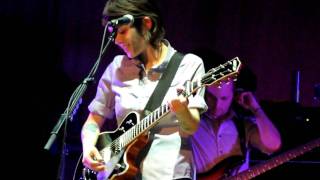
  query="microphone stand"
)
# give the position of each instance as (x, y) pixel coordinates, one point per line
(74, 102)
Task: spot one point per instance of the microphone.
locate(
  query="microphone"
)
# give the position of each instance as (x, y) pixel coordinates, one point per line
(125, 19)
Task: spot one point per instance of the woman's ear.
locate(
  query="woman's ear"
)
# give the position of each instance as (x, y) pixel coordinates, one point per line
(147, 21)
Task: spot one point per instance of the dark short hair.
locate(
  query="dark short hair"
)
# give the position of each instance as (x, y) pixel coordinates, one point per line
(138, 9)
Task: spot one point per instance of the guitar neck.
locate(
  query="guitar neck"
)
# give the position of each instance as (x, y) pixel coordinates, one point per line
(276, 161)
(151, 119)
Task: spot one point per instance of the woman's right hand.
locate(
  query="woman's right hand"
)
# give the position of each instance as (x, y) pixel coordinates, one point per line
(92, 159)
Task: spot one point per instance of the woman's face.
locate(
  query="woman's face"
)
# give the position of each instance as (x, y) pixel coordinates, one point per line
(130, 41)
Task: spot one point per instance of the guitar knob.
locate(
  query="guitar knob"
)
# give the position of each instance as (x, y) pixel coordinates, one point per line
(130, 122)
(122, 129)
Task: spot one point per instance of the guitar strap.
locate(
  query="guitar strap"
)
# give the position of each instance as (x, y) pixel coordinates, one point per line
(164, 83)
(239, 123)
(236, 162)
(158, 95)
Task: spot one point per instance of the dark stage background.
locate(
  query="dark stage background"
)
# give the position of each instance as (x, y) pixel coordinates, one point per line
(48, 47)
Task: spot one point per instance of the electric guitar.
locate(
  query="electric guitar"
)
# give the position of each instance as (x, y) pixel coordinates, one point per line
(120, 148)
(276, 161)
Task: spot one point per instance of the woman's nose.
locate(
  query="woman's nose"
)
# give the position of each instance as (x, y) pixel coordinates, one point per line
(117, 39)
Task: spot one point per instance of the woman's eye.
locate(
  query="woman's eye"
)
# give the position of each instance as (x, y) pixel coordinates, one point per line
(122, 31)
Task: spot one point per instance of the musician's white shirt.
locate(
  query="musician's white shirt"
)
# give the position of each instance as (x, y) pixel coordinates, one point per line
(211, 146)
(120, 91)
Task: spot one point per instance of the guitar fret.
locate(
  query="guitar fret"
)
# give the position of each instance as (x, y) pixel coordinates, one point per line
(113, 145)
(154, 116)
(120, 143)
(147, 122)
(138, 129)
(124, 139)
(133, 134)
(128, 137)
(143, 122)
(274, 164)
(158, 112)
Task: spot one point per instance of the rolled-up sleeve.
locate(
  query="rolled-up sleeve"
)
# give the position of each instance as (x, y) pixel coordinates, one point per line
(103, 103)
(197, 100)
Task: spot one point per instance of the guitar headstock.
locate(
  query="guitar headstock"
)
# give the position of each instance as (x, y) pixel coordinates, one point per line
(223, 72)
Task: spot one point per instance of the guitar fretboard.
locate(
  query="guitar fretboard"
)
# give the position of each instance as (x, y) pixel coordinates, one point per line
(145, 124)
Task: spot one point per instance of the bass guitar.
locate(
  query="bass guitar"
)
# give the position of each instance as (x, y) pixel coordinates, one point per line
(276, 161)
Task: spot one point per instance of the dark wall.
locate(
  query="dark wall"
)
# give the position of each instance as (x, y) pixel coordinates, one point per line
(273, 38)
(60, 40)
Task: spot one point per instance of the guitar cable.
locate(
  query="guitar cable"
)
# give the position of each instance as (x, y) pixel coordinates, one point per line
(75, 170)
